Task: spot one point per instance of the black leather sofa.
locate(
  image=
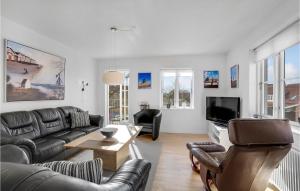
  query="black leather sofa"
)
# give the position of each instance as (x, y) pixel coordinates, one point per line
(42, 133)
(150, 119)
(18, 175)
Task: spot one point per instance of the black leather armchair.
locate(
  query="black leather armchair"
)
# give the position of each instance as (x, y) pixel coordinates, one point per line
(18, 175)
(150, 119)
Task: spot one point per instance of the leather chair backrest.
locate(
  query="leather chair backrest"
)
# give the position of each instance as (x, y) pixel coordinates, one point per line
(260, 132)
(249, 167)
(65, 113)
(148, 115)
(49, 120)
(20, 124)
(258, 147)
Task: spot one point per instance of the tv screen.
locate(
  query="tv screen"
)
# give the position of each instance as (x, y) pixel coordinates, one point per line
(222, 109)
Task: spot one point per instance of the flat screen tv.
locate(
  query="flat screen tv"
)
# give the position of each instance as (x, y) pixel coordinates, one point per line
(222, 109)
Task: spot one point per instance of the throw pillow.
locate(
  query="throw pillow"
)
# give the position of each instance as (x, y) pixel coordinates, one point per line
(80, 119)
(86, 170)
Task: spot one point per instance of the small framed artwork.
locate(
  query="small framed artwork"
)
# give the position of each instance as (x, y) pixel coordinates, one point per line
(144, 80)
(211, 79)
(32, 74)
(234, 76)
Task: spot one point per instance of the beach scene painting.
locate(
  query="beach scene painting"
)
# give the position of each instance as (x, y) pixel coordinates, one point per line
(234, 76)
(33, 75)
(211, 79)
(144, 80)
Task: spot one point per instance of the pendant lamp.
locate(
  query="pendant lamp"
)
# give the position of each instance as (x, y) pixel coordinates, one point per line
(113, 77)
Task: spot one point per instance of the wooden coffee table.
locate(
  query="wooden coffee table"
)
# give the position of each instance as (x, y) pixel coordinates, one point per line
(113, 151)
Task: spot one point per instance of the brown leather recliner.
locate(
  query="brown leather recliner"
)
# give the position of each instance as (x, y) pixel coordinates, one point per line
(258, 147)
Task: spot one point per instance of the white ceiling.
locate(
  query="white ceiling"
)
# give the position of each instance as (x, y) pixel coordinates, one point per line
(163, 27)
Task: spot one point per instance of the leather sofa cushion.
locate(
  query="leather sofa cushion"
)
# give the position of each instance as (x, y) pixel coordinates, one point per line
(67, 136)
(16, 120)
(48, 115)
(88, 129)
(48, 147)
(49, 121)
(260, 131)
(19, 124)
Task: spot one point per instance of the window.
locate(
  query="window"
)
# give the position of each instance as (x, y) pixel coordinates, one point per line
(177, 88)
(117, 99)
(268, 86)
(280, 85)
(292, 83)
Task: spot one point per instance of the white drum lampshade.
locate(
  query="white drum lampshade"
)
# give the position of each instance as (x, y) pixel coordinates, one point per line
(113, 78)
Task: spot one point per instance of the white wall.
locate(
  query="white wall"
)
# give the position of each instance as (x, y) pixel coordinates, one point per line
(78, 68)
(241, 55)
(177, 120)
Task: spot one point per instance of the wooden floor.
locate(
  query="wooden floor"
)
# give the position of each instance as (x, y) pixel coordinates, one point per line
(173, 170)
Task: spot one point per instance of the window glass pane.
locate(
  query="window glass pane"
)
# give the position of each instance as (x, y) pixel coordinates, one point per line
(114, 103)
(168, 88)
(268, 86)
(185, 82)
(292, 83)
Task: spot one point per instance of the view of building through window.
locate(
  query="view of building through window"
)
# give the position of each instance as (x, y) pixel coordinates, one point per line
(268, 86)
(177, 88)
(118, 101)
(292, 83)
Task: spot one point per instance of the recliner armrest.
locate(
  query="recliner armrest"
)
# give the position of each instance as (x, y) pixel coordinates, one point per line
(96, 120)
(206, 160)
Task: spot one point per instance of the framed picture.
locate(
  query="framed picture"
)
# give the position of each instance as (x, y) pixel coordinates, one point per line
(234, 76)
(211, 79)
(32, 74)
(144, 80)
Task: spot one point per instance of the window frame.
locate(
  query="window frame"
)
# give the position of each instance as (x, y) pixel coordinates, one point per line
(278, 86)
(176, 90)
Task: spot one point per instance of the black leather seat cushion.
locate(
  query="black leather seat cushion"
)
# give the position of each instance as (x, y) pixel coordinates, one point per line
(67, 136)
(88, 129)
(48, 147)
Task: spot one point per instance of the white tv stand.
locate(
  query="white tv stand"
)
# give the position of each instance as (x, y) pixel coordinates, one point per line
(218, 134)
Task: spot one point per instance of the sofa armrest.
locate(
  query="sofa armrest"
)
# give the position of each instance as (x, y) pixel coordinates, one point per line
(206, 160)
(26, 144)
(14, 154)
(156, 125)
(96, 120)
(133, 173)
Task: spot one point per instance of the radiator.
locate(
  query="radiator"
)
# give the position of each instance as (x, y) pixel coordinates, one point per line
(287, 176)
